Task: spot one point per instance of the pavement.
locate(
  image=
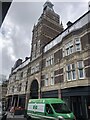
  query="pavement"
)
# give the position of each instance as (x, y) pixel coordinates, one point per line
(15, 117)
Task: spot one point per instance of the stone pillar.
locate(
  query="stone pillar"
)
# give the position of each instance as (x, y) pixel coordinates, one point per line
(12, 100)
(39, 94)
(27, 99)
(59, 93)
(18, 101)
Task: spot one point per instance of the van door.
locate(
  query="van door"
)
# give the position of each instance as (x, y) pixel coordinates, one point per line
(49, 114)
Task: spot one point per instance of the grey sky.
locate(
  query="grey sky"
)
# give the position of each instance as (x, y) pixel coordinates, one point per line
(16, 31)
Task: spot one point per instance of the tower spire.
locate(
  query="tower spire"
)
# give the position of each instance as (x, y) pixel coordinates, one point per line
(48, 5)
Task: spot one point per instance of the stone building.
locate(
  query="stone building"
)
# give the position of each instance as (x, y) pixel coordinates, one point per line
(59, 64)
(3, 90)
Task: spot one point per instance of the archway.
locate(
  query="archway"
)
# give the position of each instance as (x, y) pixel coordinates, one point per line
(34, 89)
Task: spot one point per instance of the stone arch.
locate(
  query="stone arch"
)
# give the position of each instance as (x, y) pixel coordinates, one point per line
(34, 89)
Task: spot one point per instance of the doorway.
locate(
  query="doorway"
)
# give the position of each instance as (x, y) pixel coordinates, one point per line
(34, 89)
(76, 106)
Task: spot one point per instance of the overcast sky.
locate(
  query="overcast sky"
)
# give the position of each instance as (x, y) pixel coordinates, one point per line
(16, 30)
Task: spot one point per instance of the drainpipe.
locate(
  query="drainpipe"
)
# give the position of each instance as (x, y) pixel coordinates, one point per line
(41, 69)
(26, 92)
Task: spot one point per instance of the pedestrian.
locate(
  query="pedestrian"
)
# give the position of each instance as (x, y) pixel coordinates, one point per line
(12, 110)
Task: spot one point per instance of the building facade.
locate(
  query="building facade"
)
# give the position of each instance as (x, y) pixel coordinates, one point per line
(3, 91)
(59, 64)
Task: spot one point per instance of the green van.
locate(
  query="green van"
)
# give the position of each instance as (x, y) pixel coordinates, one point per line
(48, 109)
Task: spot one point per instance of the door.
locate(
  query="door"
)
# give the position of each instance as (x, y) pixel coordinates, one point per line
(34, 89)
(76, 106)
(49, 112)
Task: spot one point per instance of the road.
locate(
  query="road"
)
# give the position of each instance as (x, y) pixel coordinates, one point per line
(11, 117)
(16, 118)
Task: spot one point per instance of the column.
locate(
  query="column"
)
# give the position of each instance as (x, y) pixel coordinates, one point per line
(12, 99)
(18, 101)
(39, 94)
(59, 93)
(27, 99)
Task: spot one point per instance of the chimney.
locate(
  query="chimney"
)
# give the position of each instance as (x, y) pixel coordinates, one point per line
(26, 58)
(17, 63)
(69, 23)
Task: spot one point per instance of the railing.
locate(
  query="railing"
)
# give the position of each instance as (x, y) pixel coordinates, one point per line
(77, 25)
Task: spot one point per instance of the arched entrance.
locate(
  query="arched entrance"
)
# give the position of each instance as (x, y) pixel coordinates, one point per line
(34, 89)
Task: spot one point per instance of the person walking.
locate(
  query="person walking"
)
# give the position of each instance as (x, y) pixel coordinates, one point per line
(12, 110)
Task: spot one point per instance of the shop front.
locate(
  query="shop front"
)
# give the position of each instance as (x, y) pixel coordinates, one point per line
(50, 94)
(78, 99)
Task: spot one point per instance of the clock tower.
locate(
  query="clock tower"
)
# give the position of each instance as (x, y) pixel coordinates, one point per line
(47, 27)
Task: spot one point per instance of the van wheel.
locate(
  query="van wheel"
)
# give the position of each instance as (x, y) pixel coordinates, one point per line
(29, 118)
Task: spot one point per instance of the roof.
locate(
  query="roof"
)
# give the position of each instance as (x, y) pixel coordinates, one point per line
(46, 100)
(83, 20)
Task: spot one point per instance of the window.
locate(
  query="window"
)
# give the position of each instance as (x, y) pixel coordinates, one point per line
(19, 87)
(46, 80)
(32, 70)
(34, 47)
(12, 89)
(49, 60)
(67, 49)
(37, 67)
(21, 75)
(81, 72)
(34, 51)
(71, 47)
(77, 44)
(52, 78)
(17, 76)
(25, 73)
(63, 52)
(15, 88)
(38, 48)
(61, 108)
(52, 60)
(29, 70)
(38, 44)
(68, 72)
(49, 109)
(71, 72)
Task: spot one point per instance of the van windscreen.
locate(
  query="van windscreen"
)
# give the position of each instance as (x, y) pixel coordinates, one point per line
(60, 108)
